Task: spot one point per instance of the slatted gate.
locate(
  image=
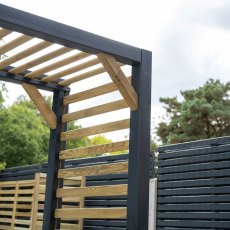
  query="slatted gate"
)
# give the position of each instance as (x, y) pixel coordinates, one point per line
(194, 186)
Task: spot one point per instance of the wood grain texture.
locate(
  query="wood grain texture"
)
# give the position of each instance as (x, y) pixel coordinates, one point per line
(97, 129)
(93, 150)
(25, 53)
(115, 72)
(14, 43)
(83, 76)
(40, 60)
(94, 170)
(91, 213)
(41, 104)
(97, 91)
(100, 109)
(107, 190)
(71, 70)
(4, 32)
(57, 64)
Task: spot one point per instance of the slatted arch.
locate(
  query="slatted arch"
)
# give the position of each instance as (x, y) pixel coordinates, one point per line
(66, 67)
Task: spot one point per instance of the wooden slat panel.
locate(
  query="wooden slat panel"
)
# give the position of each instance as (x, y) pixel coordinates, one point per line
(24, 53)
(57, 65)
(100, 90)
(107, 190)
(16, 42)
(112, 106)
(95, 213)
(83, 76)
(97, 129)
(119, 78)
(40, 60)
(93, 150)
(71, 70)
(4, 32)
(5, 227)
(41, 104)
(94, 170)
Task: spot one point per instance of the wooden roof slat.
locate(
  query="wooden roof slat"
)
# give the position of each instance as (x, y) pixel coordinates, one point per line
(83, 76)
(97, 129)
(93, 150)
(71, 70)
(14, 43)
(119, 78)
(24, 53)
(40, 60)
(100, 90)
(4, 32)
(105, 108)
(56, 65)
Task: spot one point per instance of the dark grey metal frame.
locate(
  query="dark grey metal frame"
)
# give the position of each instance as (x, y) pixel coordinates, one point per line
(55, 32)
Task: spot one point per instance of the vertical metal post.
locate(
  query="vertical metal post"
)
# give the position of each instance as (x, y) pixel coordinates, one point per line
(139, 150)
(53, 164)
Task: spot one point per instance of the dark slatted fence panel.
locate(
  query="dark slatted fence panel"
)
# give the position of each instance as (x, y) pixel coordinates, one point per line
(28, 172)
(194, 185)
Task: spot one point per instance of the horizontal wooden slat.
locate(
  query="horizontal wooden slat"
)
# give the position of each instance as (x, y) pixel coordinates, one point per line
(40, 60)
(71, 70)
(105, 108)
(109, 190)
(14, 43)
(95, 213)
(93, 150)
(20, 183)
(94, 170)
(56, 65)
(97, 129)
(100, 90)
(4, 32)
(25, 53)
(83, 76)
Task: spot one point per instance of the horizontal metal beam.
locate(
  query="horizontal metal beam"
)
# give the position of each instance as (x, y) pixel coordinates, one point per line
(55, 32)
(18, 79)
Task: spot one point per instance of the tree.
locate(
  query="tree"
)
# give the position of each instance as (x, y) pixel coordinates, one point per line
(203, 113)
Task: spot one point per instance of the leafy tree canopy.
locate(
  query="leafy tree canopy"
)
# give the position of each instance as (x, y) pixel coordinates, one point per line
(203, 113)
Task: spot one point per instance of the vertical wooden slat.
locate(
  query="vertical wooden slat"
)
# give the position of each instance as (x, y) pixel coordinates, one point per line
(82, 203)
(35, 201)
(15, 205)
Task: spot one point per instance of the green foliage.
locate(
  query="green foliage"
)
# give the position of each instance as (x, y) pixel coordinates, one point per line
(203, 113)
(23, 136)
(2, 165)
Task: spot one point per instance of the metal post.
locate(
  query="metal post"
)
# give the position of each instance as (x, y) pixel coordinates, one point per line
(139, 150)
(53, 164)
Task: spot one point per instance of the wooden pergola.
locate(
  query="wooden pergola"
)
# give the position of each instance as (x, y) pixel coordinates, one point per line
(51, 70)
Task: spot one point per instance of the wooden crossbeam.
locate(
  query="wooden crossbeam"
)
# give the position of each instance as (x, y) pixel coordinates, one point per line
(91, 213)
(119, 78)
(114, 168)
(25, 53)
(93, 150)
(41, 104)
(14, 43)
(100, 109)
(97, 129)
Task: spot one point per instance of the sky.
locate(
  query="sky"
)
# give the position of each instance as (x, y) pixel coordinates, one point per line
(189, 40)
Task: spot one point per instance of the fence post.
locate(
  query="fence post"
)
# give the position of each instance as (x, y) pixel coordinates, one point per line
(139, 147)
